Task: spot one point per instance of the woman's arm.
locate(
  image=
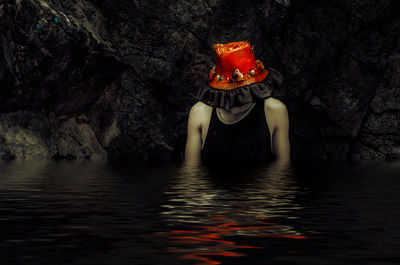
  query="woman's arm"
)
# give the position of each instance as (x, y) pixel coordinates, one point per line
(280, 136)
(193, 142)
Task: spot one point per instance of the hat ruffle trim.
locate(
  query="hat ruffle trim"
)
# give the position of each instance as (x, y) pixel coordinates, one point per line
(221, 98)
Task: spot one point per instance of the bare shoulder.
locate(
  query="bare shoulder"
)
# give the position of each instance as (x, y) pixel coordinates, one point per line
(275, 105)
(200, 109)
(199, 113)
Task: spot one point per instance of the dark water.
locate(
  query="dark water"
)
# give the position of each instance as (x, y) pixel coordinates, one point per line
(98, 213)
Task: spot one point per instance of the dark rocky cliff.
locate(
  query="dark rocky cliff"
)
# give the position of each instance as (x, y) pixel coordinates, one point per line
(91, 79)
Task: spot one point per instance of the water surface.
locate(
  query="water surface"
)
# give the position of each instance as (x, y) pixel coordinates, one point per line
(84, 212)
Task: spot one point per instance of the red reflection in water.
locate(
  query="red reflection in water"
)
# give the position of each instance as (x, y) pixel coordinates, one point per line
(207, 235)
(209, 261)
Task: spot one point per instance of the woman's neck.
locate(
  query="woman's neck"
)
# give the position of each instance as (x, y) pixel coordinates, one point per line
(234, 114)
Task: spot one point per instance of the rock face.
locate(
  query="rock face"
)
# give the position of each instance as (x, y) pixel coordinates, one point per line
(91, 79)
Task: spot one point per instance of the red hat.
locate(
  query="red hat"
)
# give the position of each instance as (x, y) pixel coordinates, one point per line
(236, 66)
(237, 78)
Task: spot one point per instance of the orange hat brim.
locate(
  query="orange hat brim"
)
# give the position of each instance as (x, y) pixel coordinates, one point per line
(228, 85)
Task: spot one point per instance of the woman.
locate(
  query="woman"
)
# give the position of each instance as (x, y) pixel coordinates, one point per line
(236, 121)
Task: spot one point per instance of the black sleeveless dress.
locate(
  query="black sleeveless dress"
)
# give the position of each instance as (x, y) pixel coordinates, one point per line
(241, 144)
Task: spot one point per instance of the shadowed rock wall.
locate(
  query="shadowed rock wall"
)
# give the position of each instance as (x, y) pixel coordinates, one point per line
(101, 78)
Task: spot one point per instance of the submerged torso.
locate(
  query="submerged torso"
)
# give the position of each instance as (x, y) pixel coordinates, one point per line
(246, 142)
